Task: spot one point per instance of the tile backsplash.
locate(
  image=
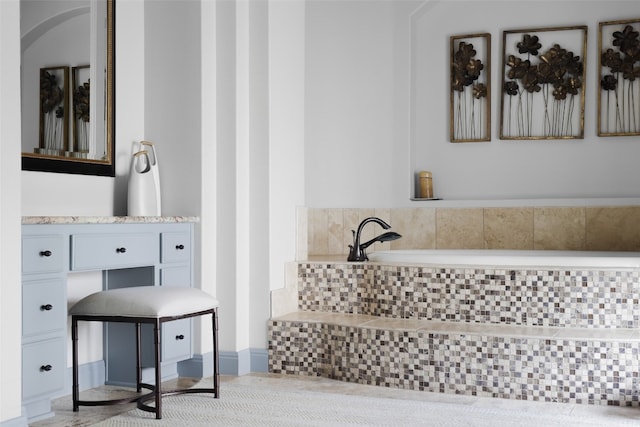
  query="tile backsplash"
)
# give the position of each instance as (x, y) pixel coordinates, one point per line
(598, 228)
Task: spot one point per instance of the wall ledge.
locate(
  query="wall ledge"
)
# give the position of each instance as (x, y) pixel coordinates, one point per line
(519, 203)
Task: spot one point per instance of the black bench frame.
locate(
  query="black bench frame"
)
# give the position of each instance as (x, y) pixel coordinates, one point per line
(156, 392)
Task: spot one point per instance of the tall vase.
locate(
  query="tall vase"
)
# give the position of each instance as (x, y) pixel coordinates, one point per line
(153, 156)
(144, 183)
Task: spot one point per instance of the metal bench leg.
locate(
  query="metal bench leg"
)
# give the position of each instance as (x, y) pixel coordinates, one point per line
(158, 390)
(216, 358)
(138, 362)
(74, 340)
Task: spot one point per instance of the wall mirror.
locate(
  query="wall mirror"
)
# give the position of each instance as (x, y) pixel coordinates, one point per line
(68, 86)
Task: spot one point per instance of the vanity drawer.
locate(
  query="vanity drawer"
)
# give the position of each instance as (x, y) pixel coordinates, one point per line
(176, 247)
(178, 276)
(43, 367)
(106, 251)
(176, 340)
(44, 307)
(43, 254)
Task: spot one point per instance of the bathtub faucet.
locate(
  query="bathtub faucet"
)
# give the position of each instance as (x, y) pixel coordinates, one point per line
(357, 251)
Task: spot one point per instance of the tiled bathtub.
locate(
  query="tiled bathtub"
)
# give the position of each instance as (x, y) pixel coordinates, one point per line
(552, 333)
(510, 258)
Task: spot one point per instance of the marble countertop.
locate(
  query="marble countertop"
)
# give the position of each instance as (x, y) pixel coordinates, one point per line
(106, 219)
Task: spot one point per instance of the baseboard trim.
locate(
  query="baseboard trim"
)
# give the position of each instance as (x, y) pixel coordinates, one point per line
(234, 363)
(20, 421)
(90, 375)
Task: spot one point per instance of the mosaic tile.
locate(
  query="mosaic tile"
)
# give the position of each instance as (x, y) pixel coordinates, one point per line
(533, 368)
(589, 298)
(530, 334)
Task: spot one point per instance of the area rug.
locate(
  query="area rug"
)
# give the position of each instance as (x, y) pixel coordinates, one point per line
(245, 405)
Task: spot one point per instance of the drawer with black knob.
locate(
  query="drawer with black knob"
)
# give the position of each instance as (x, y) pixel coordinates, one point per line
(176, 344)
(176, 247)
(43, 367)
(44, 307)
(43, 254)
(106, 250)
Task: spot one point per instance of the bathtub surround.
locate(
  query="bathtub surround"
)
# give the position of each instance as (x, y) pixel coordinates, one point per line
(543, 334)
(554, 332)
(590, 228)
(509, 257)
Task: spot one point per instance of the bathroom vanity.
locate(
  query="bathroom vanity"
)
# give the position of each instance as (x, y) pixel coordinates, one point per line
(129, 251)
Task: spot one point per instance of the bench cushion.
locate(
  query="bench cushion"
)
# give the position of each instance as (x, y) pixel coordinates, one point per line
(145, 301)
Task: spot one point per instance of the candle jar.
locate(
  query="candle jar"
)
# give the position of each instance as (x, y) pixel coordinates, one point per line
(425, 179)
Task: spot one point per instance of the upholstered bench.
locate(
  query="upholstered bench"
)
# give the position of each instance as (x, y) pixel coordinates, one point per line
(138, 305)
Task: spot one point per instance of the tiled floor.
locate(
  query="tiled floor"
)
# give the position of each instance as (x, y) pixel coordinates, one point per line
(88, 416)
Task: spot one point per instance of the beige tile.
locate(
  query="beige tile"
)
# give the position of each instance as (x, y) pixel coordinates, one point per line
(559, 228)
(317, 232)
(459, 228)
(285, 300)
(302, 233)
(327, 317)
(352, 219)
(417, 227)
(508, 228)
(385, 215)
(598, 334)
(396, 324)
(336, 243)
(613, 228)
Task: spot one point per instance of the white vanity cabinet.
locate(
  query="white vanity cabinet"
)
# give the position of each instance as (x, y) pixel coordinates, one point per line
(129, 251)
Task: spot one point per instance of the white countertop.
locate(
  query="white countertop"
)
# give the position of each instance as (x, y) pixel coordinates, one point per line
(27, 220)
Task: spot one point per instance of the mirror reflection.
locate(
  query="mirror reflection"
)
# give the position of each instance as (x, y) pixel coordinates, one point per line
(67, 86)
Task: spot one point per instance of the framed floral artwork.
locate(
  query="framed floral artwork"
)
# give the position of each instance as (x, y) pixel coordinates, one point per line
(618, 71)
(470, 97)
(543, 74)
(81, 101)
(54, 111)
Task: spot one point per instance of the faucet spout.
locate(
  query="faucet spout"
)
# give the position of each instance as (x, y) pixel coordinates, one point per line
(357, 251)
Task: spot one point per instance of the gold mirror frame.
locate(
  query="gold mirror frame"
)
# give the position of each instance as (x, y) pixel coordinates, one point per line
(102, 167)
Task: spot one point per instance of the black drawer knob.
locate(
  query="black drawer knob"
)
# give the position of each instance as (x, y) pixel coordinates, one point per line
(121, 250)
(179, 337)
(46, 368)
(179, 247)
(46, 307)
(45, 253)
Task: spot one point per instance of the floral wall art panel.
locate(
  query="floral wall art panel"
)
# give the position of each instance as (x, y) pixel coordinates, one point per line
(543, 77)
(619, 68)
(54, 107)
(81, 101)
(470, 99)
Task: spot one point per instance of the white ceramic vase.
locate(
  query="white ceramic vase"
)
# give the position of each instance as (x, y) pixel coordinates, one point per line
(144, 183)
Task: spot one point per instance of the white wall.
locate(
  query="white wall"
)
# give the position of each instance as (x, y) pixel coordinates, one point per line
(10, 295)
(286, 131)
(359, 79)
(349, 104)
(172, 100)
(589, 168)
(258, 159)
